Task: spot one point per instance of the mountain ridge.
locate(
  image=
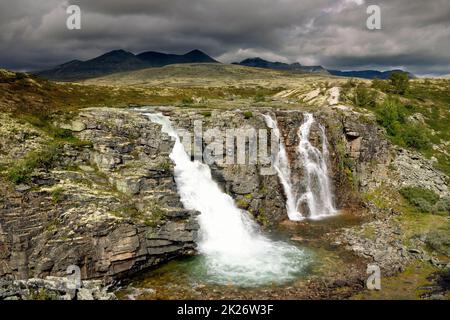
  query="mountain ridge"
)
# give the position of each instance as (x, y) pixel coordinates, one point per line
(368, 74)
(119, 61)
(365, 74)
(258, 62)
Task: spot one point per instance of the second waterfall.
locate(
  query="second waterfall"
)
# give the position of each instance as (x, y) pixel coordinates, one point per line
(316, 201)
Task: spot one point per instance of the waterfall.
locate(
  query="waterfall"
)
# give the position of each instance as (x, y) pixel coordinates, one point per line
(234, 249)
(318, 196)
(281, 165)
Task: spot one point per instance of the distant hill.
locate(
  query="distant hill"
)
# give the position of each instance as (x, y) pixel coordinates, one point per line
(203, 75)
(158, 59)
(111, 62)
(120, 61)
(366, 74)
(261, 63)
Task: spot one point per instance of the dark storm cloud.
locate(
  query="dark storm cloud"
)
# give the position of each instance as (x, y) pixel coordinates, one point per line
(415, 34)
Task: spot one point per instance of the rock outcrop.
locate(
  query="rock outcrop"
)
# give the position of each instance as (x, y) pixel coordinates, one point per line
(414, 170)
(53, 288)
(109, 206)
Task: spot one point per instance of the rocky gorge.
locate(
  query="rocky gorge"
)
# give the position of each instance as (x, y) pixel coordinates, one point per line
(109, 202)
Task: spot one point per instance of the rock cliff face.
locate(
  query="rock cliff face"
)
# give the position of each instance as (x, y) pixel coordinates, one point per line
(110, 205)
(376, 163)
(259, 193)
(110, 208)
(258, 189)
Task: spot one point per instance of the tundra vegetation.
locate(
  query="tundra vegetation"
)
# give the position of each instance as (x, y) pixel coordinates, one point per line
(412, 114)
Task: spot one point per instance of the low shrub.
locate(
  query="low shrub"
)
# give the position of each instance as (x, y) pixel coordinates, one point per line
(248, 114)
(392, 116)
(411, 193)
(364, 97)
(206, 114)
(426, 200)
(381, 85)
(422, 205)
(45, 124)
(187, 101)
(259, 98)
(399, 82)
(21, 75)
(439, 240)
(415, 137)
(443, 205)
(57, 195)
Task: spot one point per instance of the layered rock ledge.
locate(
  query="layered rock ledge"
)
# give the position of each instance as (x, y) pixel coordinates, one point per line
(109, 206)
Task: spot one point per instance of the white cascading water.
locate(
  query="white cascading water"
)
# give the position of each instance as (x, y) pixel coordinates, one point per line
(281, 165)
(318, 195)
(235, 251)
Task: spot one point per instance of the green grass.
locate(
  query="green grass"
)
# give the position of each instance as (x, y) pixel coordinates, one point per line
(259, 97)
(56, 133)
(57, 195)
(206, 114)
(22, 171)
(42, 294)
(30, 95)
(156, 217)
(262, 218)
(187, 101)
(153, 216)
(407, 285)
(165, 165)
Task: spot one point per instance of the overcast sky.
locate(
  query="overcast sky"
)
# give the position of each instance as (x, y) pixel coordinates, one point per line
(415, 34)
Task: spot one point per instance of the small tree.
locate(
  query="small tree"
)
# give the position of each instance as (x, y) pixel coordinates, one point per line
(364, 97)
(399, 82)
(381, 85)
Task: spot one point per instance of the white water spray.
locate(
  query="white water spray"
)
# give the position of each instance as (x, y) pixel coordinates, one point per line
(318, 195)
(234, 249)
(281, 165)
